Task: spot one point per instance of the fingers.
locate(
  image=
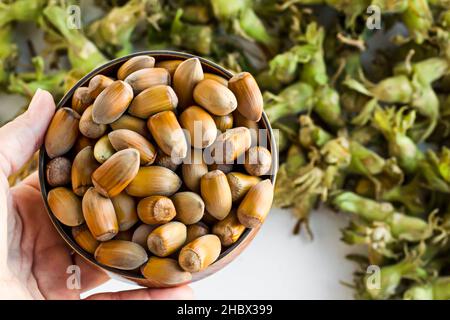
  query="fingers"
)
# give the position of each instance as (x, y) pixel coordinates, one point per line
(20, 138)
(91, 276)
(179, 293)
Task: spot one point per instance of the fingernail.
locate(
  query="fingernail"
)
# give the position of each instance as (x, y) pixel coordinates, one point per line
(36, 96)
(38, 93)
(34, 103)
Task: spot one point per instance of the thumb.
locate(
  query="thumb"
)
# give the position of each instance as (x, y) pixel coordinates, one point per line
(20, 138)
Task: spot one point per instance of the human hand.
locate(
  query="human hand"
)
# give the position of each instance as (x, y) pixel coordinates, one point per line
(33, 256)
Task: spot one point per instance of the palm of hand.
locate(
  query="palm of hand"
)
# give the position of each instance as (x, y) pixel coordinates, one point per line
(40, 257)
(34, 259)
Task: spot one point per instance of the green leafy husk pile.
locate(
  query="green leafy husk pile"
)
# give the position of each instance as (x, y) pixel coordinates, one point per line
(361, 101)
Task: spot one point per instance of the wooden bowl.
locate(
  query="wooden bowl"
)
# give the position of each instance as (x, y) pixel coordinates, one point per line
(226, 256)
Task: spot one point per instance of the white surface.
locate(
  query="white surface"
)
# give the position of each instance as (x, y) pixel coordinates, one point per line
(279, 265)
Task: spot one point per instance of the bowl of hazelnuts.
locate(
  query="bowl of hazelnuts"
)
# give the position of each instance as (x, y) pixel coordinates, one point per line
(159, 167)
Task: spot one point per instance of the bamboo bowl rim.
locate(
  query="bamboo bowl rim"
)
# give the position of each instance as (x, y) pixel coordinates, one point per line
(43, 159)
